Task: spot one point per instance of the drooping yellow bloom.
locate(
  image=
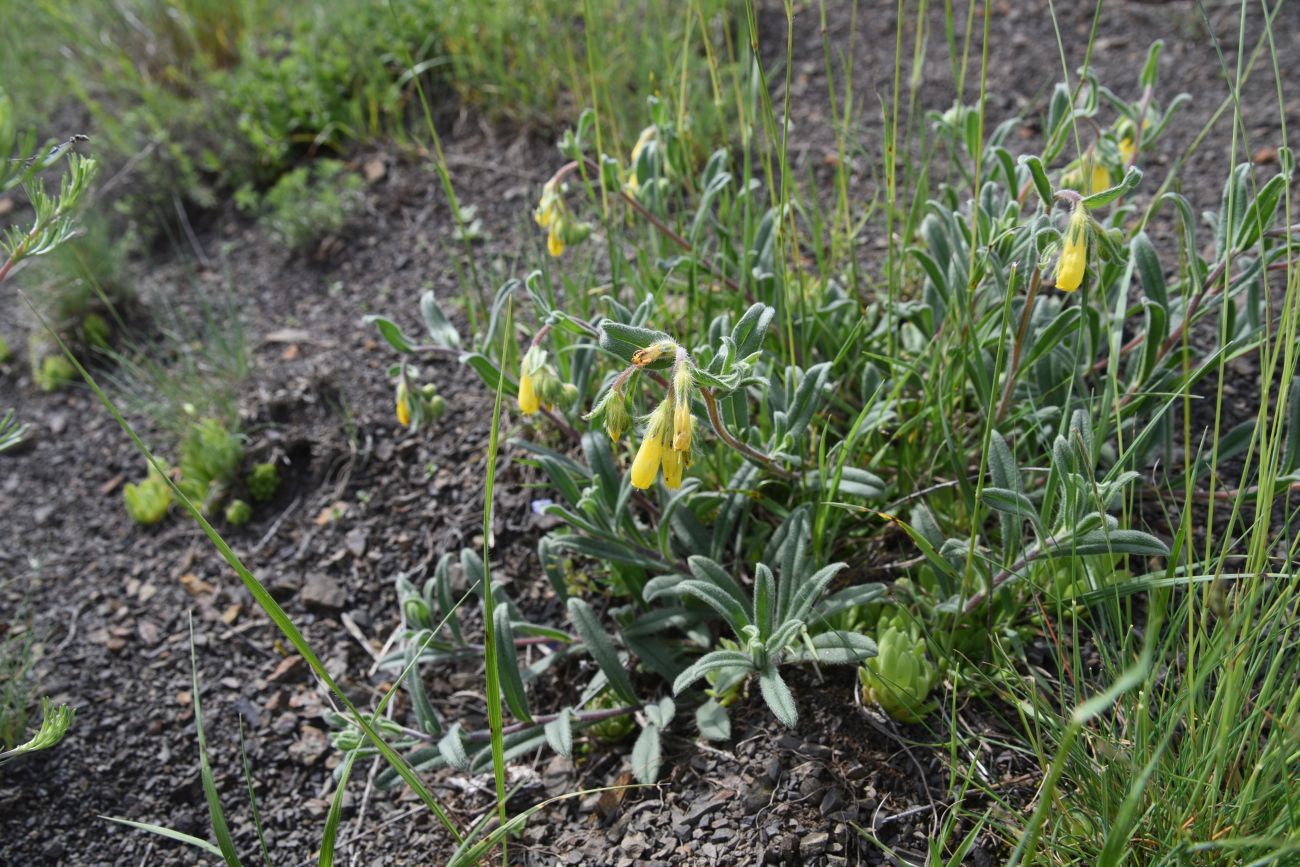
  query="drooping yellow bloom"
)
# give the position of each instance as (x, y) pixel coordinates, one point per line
(1127, 148)
(555, 241)
(646, 464)
(403, 406)
(673, 462)
(633, 184)
(1074, 252)
(548, 207)
(529, 402)
(1100, 176)
(647, 135)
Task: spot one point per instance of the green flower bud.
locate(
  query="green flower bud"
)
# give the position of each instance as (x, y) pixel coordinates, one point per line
(436, 407)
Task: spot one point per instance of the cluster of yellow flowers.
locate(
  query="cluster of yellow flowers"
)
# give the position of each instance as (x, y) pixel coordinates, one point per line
(669, 429)
(424, 402)
(540, 385)
(553, 216)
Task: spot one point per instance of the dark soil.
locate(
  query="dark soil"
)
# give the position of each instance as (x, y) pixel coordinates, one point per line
(364, 501)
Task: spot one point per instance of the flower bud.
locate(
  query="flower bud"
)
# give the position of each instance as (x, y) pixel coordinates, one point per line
(652, 353)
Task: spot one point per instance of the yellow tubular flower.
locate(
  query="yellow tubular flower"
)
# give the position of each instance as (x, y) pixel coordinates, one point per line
(529, 402)
(683, 385)
(1074, 254)
(403, 406)
(1127, 148)
(554, 241)
(673, 468)
(647, 135)
(683, 427)
(646, 464)
(546, 208)
(1100, 177)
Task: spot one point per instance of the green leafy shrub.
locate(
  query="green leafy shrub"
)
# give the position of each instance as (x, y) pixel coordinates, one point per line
(311, 202)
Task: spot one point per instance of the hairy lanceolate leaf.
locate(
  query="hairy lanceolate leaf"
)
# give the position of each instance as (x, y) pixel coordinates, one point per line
(713, 722)
(512, 684)
(601, 649)
(715, 661)
(647, 755)
(453, 749)
(441, 331)
(710, 572)
(559, 733)
(838, 647)
(391, 332)
(752, 328)
(623, 341)
(1105, 541)
(811, 591)
(778, 697)
(717, 599)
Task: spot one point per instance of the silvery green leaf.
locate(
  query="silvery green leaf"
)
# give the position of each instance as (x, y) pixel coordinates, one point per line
(559, 733)
(441, 331)
(646, 755)
(709, 662)
(778, 697)
(512, 684)
(452, 749)
(838, 647)
(712, 720)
